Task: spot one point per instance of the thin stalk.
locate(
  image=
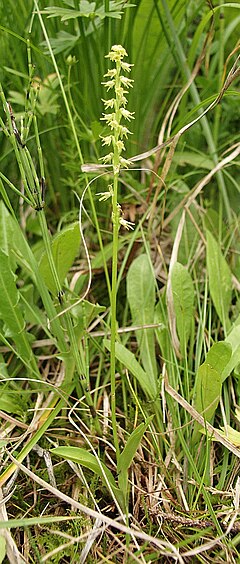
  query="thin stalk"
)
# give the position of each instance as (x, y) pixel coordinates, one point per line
(48, 249)
(220, 52)
(113, 311)
(117, 107)
(12, 132)
(14, 189)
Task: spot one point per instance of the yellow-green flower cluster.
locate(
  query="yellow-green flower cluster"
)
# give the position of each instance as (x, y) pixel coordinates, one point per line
(118, 132)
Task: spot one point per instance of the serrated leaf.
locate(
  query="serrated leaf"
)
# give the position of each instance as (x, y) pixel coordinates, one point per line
(127, 358)
(220, 279)
(65, 246)
(183, 298)
(141, 299)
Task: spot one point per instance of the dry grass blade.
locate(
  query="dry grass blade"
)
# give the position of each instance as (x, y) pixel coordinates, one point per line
(13, 554)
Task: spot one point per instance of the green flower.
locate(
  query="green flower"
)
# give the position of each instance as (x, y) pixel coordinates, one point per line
(118, 112)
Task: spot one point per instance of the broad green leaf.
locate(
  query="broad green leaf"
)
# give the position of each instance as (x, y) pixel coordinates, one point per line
(98, 261)
(208, 390)
(6, 231)
(85, 458)
(11, 313)
(3, 368)
(219, 356)
(141, 299)
(212, 223)
(194, 159)
(65, 246)
(209, 380)
(10, 405)
(231, 434)
(32, 313)
(126, 458)
(233, 339)
(131, 446)
(127, 358)
(9, 297)
(88, 460)
(183, 298)
(219, 279)
(88, 10)
(2, 548)
(24, 256)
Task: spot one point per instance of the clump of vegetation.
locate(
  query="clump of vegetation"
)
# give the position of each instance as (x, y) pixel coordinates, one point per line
(119, 282)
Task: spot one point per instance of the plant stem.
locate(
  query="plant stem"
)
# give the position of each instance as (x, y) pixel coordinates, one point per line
(113, 311)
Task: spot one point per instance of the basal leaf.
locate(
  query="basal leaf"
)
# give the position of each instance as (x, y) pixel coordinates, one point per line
(9, 297)
(233, 339)
(11, 313)
(6, 231)
(219, 355)
(9, 403)
(231, 434)
(208, 390)
(183, 297)
(131, 446)
(219, 279)
(141, 299)
(65, 246)
(127, 358)
(88, 460)
(209, 381)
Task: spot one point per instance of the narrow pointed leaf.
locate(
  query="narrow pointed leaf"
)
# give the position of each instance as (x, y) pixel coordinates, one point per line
(10, 311)
(88, 460)
(131, 446)
(65, 246)
(127, 358)
(9, 297)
